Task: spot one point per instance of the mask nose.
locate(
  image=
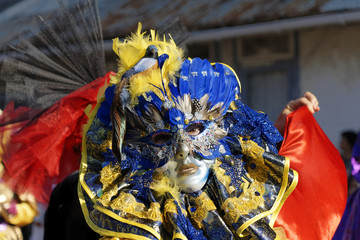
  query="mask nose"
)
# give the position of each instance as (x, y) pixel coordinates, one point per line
(182, 152)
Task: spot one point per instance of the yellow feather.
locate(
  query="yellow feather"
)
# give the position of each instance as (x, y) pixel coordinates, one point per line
(166, 185)
(142, 83)
(153, 35)
(133, 48)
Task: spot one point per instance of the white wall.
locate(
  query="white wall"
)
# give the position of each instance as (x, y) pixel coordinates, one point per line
(330, 68)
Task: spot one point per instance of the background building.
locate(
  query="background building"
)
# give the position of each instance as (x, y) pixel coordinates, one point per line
(279, 48)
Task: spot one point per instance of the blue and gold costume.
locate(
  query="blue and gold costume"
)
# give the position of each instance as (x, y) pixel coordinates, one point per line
(125, 188)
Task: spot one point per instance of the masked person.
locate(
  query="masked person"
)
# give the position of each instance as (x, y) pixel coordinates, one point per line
(171, 152)
(349, 225)
(17, 211)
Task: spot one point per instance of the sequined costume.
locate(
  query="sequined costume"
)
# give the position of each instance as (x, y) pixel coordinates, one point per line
(16, 210)
(126, 189)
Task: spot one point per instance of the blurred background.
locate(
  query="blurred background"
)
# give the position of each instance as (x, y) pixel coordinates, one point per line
(279, 48)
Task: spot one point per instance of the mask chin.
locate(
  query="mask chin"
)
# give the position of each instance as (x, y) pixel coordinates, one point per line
(190, 176)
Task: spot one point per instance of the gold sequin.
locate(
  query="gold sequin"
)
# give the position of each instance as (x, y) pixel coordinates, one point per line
(220, 175)
(127, 204)
(108, 174)
(203, 205)
(250, 199)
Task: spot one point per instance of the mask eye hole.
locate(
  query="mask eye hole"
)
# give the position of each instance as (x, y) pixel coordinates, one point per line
(161, 138)
(195, 129)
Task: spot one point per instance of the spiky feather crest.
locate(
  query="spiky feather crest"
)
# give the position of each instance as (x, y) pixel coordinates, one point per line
(133, 48)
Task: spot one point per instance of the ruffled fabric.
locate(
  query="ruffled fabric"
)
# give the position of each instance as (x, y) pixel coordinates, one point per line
(48, 148)
(242, 197)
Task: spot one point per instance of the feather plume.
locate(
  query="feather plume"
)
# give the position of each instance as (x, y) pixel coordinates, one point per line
(152, 115)
(166, 185)
(200, 72)
(184, 103)
(133, 48)
(119, 123)
(214, 86)
(63, 54)
(183, 81)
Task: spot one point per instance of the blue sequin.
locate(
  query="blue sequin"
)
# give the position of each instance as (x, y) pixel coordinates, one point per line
(245, 121)
(103, 112)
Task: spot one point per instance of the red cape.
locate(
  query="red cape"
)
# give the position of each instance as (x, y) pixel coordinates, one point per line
(314, 209)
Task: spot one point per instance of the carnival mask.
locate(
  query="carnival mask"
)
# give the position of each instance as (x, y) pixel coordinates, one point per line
(186, 162)
(177, 126)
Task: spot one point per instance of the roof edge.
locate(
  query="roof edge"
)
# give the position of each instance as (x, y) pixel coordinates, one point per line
(275, 26)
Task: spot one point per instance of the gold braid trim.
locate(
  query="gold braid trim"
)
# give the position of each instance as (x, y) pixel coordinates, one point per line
(106, 197)
(170, 206)
(11, 233)
(127, 204)
(203, 205)
(260, 171)
(169, 209)
(96, 150)
(108, 175)
(250, 199)
(251, 149)
(220, 175)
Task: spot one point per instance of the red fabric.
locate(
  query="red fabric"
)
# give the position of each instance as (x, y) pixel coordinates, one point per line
(11, 120)
(49, 149)
(18, 116)
(314, 209)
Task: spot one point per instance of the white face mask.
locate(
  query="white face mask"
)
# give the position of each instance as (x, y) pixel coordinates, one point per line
(186, 168)
(189, 173)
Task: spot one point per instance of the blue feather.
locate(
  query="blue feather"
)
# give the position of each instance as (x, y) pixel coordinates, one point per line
(161, 90)
(193, 75)
(224, 87)
(174, 116)
(162, 59)
(183, 81)
(174, 91)
(198, 77)
(230, 84)
(104, 111)
(203, 69)
(144, 104)
(215, 86)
